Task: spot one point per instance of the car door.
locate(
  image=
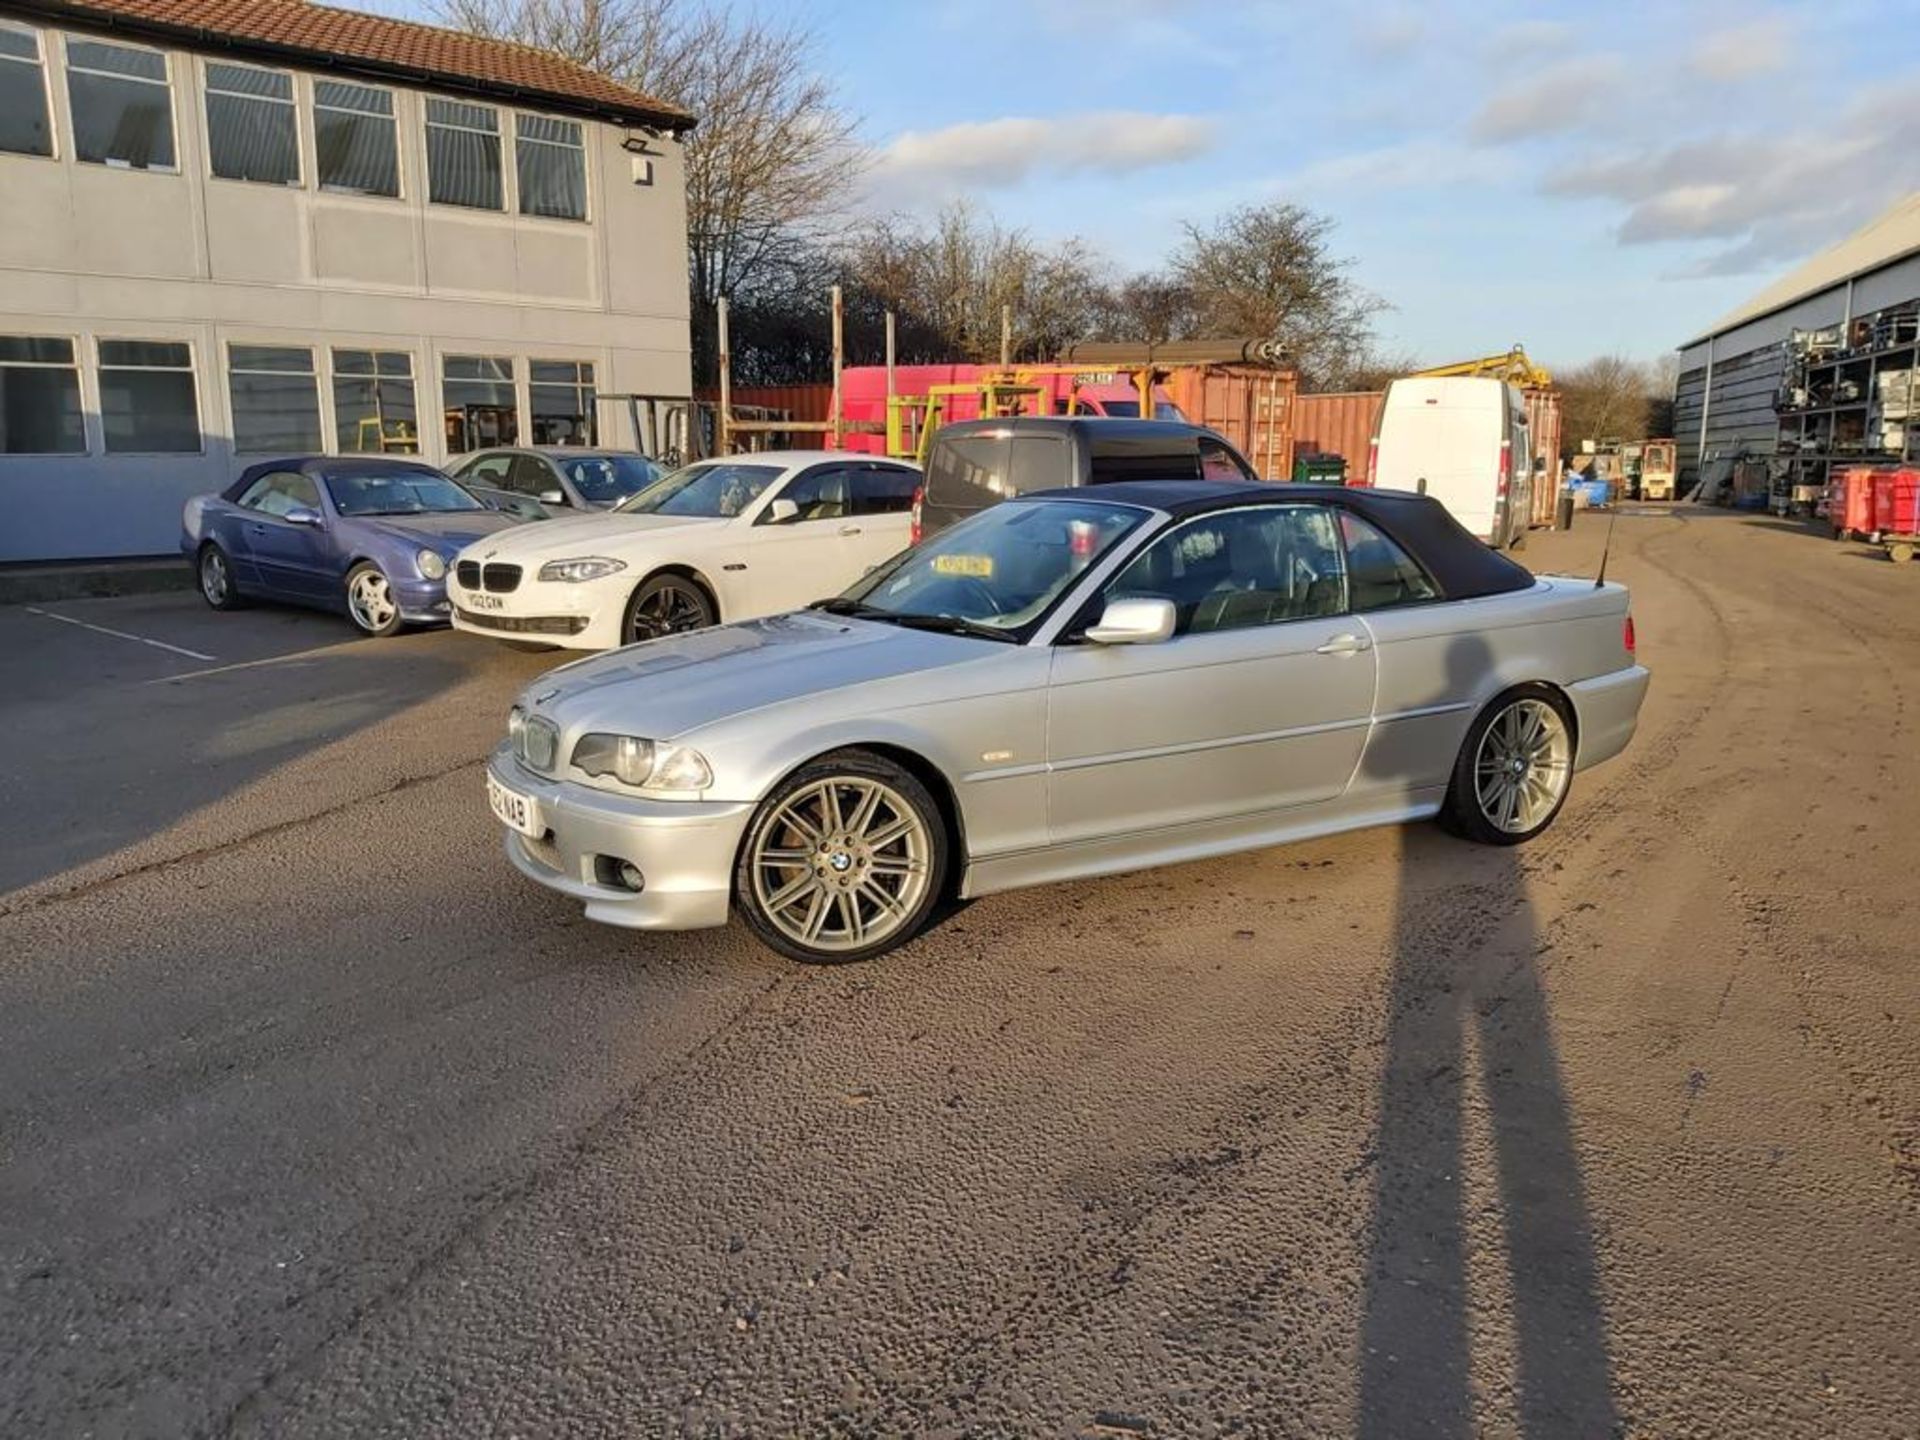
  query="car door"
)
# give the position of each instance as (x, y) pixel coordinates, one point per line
(810, 555)
(532, 477)
(1260, 701)
(294, 561)
(883, 510)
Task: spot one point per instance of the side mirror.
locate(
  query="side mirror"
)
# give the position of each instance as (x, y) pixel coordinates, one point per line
(782, 511)
(1134, 622)
(553, 497)
(303, 515)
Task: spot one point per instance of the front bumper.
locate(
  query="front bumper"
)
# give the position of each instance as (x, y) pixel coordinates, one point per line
(422, 602)
(575, 617)
(684, 850)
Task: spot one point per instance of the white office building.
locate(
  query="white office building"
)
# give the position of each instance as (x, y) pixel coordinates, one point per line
(231, 229)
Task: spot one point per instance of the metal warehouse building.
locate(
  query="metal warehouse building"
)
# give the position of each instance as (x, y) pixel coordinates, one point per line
(1842, 321)
(238, 228)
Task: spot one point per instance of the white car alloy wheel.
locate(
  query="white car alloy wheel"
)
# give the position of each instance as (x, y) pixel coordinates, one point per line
(1522, 766)
(370, 600)
(843, 864)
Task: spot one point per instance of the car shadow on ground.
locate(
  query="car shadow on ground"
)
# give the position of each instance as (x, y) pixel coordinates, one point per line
(1471, 1068)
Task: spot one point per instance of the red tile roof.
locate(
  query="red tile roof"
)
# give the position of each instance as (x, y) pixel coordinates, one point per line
(349, 40)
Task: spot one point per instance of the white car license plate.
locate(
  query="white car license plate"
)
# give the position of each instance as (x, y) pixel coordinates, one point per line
(485, 602)
(514, 809)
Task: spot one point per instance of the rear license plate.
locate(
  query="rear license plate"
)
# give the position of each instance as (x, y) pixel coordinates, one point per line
(514, 809)
(485, 602)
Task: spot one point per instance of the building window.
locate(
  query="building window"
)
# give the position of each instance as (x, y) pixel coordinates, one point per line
(562, 395)
(551, 162)
(250, 124)
(24, 127)
(39, 397)
(356, 148)
(481, 409)
(276, 400)
(147, 400)
(463, 155)
(122, 108)
(373, 409)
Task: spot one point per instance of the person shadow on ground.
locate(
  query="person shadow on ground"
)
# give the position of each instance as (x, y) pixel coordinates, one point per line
(1468, 1032)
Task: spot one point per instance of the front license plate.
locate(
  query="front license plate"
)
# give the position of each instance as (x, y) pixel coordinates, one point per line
(485, 602)
(514, 809)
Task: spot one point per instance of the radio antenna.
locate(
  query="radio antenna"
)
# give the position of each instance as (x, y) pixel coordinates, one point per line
(1606, 545)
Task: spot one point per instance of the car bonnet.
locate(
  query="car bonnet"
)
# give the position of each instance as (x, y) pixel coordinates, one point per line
(599, 533)
(669, 687)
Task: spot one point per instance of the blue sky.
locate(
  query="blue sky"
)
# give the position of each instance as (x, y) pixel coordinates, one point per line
(1586, 177)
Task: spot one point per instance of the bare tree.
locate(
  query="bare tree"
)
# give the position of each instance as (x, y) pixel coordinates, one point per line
(773, 157)
(1267, 271)
(1610, 398)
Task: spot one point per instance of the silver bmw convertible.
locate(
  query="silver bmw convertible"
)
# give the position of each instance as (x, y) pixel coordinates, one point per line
(1068, 684)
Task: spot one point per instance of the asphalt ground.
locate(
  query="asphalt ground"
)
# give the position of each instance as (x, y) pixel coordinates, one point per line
(316, 1119)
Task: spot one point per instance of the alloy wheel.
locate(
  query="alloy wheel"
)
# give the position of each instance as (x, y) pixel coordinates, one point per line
(370, 598)
(1523, 764)
(842, 864)
(668, 609)
(214, 581)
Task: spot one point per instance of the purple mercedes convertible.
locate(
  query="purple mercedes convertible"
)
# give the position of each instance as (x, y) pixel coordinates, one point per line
(371, 536)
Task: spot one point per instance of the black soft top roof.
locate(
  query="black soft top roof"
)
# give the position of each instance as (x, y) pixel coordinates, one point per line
(324, 465)
(1462, 566)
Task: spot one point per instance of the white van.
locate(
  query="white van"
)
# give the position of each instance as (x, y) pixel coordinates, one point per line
(1467, 443)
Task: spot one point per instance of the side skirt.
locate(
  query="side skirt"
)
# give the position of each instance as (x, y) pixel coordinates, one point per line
(1201, 840)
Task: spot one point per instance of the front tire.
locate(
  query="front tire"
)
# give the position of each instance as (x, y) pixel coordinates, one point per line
(845, 860)
(1514, 768)
(666, 604)
(215, 571)
(371, 603)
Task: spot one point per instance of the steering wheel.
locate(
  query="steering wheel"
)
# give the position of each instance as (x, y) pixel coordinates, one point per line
(975, 587)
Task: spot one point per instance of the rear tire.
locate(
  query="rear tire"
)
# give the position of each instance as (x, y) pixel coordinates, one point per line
(845, 859)
(1514, 768)
(215, 572)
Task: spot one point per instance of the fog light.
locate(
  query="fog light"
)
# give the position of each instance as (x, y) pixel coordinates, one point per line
(622, 874)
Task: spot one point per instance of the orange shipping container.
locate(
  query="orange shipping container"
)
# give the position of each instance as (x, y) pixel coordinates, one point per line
(1251, 406)
(1337, 423)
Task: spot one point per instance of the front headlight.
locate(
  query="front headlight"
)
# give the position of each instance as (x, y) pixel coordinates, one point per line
(516, 722)
(641, 763)
(432, 564)
(584, 567)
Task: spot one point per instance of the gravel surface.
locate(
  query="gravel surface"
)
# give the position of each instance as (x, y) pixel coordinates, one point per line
(315, 1119)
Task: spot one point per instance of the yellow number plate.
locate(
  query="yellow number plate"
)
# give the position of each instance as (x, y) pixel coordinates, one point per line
(980, 565)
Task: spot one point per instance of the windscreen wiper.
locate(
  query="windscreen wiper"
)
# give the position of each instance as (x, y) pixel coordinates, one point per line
(940, 624)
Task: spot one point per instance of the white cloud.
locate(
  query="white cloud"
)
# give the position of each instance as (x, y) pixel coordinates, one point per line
(1565, 96)
(1417, 164)
(1768, 198)
(999, 154)
(1757, 47)
(1391, 33)
(1530, 39)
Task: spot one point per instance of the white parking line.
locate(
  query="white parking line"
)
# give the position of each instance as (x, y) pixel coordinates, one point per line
(121, 634)
(294, 658)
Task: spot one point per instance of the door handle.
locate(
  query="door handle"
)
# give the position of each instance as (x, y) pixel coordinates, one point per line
(1345, 645)
(849, 529)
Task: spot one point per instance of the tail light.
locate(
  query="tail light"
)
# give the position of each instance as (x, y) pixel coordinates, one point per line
(1627, 637)
(914, 532)
(1373, 461)
(1506, 467)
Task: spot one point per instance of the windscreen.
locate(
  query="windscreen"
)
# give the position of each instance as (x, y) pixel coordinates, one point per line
(1001, 568)
(403, 492)
(713, 490)
(603, 479)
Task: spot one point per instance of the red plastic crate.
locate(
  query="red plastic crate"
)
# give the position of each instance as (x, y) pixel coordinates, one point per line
(1896, 502)
(1851, 506)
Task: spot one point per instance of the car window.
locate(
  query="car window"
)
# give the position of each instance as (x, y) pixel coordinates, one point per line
(1169, 458)
(280, 492)
(821, 495)
(1381, 573)
(530, 475)
(398, 492)
(603, 479)
(1242, 567)
(489, 470)
(882, 490)
(1218, 462)
(1038, 462)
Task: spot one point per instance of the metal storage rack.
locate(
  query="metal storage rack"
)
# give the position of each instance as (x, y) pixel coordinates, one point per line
(1849, 397)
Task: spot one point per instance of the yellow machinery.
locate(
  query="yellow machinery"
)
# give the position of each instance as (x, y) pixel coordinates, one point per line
(1515, 366)
(1001, 393)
